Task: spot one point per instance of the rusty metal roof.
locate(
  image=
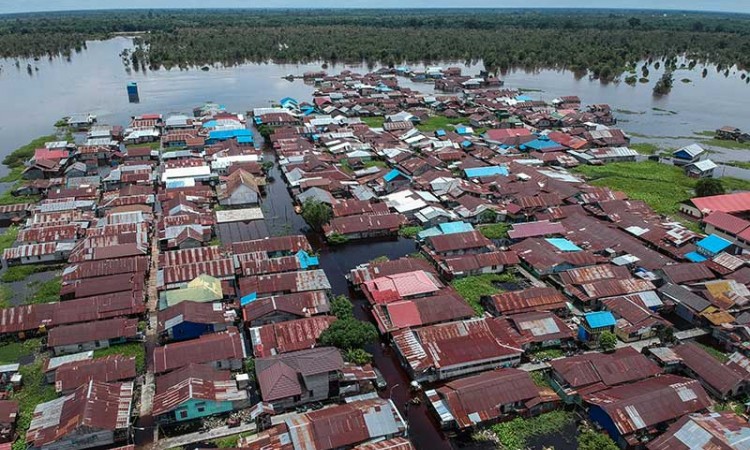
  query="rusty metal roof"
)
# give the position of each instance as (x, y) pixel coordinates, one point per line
(208, 348)
(92, 407)
(197, 389)
(218, 268)
(200, 371)
(719, 430)
(390, 288)
(108, 369)
(457, 343)
(88, 287)
(93, 331)
(531, 299)
(279, 375)
(49, 234)
(287, 282)
(301, 304)
(614, 288)
(371, 271)
(541, 326)
(708, 369)
(688, 272)
(192, 312)
(583, 275)
(458, 241)
(189, 256)
(289, 336)
(363, 223)
(623, 366)
(651, 402)
(446, 305)
(287, 244)
(92, 269)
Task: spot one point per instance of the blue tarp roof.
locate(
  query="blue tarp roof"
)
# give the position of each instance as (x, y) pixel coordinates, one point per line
(221, 135)
(306, 260)
(464, 130)
(486, 171)
(249, 298)
(466, 144)
(540, 144)
(288, 100)
(524, 98)
(695, 257)
(245, 139)
(564, 245)
(713, 243)
(440, 132)
(390, 176)
(600, 319)
(209, 124)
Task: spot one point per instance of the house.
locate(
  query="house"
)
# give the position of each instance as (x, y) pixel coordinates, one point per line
(282, 308)
(710, 246)
(449, 350)
(46, 252)
(395, 180)
(635, 318)
(284, 283)
(301, 377)
(688, 154)
(701, 169)
(373, 422)
(189, 320)
(285, 337)
(737, 203)
(542, 329)
(109, 369)
(240, 188)
(526, 300)
(195, 392)
(634, 413)
(441, 307)
(401, 286)
(717, 430)
(224, 350)
(481, 263)
(470, 242)
(8, 416)
(201, 289)
(91, 335)
(688, 305)
(574, 376)
(489, 397)
(720, 380)
(728, 227)
(373, 270)
(96, 414)
(593, 325)
(364, 226)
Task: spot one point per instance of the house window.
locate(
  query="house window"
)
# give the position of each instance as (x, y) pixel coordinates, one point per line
(182, 414)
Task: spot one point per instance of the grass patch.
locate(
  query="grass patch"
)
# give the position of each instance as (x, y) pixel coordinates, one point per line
(155, 145)
(15, 174)
(11, 352)
(375, 163)
(717, 354)
(410, 232)
(373, 122)
(645, 148)
(7, 198)
(661, 186)
(5, 295)
(20, 273)
(740, 164)
(515, 434)
(539, 379)
(20, 155)
(707, 133)
(473, 288)
(129, 349)
(495, 230)
(551, 353)
(230, 441)
(435, 123)
(724, 143)
(35, 391)
(8, 238)
(45, 292)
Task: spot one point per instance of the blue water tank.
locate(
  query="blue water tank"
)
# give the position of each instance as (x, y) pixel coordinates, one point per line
(133, 92)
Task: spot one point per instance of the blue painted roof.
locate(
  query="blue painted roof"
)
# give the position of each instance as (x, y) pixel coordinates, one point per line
(306, 260)
(564, 245)
(713, 243)
(466, 144)
(440, 132)
(486, 171)
(288, 100)
(446, 228)
(229, 134)
(540, 144)
(245, 139)
(390, 176)
(249, 298)
(463, 130)
(600, 319)
(524, 98)
(209, 124)
(695, 257)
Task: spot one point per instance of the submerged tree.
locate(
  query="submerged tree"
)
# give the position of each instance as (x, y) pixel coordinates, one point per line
(316, 213)
(665, 83)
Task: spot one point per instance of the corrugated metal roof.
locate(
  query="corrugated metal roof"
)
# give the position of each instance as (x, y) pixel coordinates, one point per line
(208, 348)
(289, 336)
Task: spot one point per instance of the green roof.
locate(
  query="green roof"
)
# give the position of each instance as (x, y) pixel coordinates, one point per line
(202, 289)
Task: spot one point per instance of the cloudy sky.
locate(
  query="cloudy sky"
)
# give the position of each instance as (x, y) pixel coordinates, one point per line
(11, 6)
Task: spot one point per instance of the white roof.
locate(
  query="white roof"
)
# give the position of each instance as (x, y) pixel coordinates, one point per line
(693, 150)
(704, 165)
(404, 201)
(185, 172)
(239, 215)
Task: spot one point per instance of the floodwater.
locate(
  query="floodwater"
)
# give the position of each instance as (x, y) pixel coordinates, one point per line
(94, 81)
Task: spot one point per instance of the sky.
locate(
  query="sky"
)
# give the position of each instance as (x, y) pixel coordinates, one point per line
(15, 6)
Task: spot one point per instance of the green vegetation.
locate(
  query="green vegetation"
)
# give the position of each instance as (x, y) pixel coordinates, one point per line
(551, 353)
(5, 295)
(495, 230)
(605, 42)
(35, 391)
(155, 145)
(410, 231)
(20, 273)
(661, 186)
(725, 143)
(665, 83)
(514, 434)
(373, 122)
(740, 164)
(12, 352)
(473, 288)
(379, 259)
(357, 356)
(230, 441)
(347, 332)
(128, 349)
(707, 187)
(539, 379)
(45, 292)
(594, 440)
(718, 354)
(8, 238)
(316, 213)
(7, 198)
(20, 155)
(15, 174)
(607, 341)
(337, 239)
(435, 123)
(645, 148)
(375, 163)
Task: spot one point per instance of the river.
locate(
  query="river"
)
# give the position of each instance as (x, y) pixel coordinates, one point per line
(95, 79)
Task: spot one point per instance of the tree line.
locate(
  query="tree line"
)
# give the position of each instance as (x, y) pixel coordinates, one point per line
(607, 43)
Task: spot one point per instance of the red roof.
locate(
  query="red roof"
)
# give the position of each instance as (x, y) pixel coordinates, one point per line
(532, 229)
(93, 331)
(458, 241)
(726, 222)
(729, 203)
(279, 376)
(708, 369)
(8, 411)
(288, 336)
(206, 349)
(444, 306)
(623, 366)
(374, 270)
(399, 286)
(504, 133)
(531, 299)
